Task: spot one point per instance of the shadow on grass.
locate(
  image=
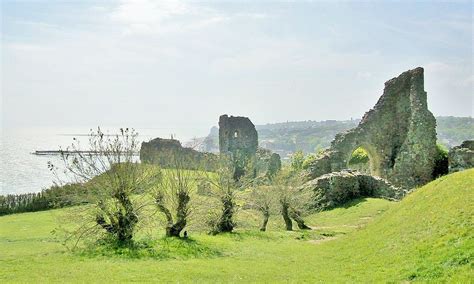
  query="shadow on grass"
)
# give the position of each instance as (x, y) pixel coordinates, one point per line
(160, 249)
(351, 203)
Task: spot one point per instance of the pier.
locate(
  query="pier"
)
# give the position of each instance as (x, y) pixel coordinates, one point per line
(59, 152)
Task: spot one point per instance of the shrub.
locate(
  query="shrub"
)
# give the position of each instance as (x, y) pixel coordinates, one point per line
(53, 197)
(297, 160)
(441, 161)
(309, 160)
(359, 156)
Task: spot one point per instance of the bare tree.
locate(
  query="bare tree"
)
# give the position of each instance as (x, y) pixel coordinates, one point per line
(110, 171)
(293, 201)
(263, 199)
(172, 195)
(224, 187)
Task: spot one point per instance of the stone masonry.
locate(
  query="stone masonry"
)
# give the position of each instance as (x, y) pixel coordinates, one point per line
(461, 157)
(239, 139)
(398, 134)
(335, 189)
(168, 152)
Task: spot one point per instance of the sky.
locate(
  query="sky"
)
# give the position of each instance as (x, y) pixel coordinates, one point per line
(182, 64)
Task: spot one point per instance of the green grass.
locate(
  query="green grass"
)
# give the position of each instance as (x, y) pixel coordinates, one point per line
(426, 237)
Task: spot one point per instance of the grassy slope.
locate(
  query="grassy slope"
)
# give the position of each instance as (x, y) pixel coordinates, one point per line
(427, 236)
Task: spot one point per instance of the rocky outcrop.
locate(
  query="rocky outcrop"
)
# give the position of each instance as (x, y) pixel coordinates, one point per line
(461, 157)
(398, 134)
(168, 152)
(335, 189)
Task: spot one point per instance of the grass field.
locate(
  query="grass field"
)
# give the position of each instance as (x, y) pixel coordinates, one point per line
(428, 236)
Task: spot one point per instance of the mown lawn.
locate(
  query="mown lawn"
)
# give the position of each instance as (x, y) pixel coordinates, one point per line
(426, 237)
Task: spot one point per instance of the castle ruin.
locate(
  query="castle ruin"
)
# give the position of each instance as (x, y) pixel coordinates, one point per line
(239, 139)
(398, 134)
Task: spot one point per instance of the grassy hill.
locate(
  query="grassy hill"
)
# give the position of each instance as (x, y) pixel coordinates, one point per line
(428, 236)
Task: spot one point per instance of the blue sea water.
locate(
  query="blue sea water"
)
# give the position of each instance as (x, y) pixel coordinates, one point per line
(23, 172)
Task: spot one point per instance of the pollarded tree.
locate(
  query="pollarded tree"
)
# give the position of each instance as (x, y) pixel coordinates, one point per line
(108, 168)
(293, 201)
(172, 195)
(224, 188)
(263, 199)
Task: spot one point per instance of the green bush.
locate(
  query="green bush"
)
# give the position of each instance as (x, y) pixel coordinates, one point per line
(53, 197)
(441, 161)
(359, 156)
(309, 160)
(297, 160)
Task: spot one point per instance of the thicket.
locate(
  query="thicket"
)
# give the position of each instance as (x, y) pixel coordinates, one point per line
(51, 198)
(28, 202)
(441, 161)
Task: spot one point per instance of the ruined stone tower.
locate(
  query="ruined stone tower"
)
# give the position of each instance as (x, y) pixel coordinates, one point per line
(237, 133)
(238, 137)
(398, 134)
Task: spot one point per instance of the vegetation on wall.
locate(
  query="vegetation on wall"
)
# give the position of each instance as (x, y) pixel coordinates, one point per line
(359, 156)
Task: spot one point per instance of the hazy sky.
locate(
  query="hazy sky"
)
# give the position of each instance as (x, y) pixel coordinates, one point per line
(182, 64)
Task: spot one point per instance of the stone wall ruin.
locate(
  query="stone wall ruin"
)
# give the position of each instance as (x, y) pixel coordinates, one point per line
(335, 189)
(398, 134)
(239, 139)
(461, 157)
(168, 152)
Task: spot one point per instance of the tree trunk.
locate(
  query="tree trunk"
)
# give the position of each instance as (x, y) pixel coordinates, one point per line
(181, 214)
(266, 215)
(170, 231)
(286, 217)
(174, 229)
(297, 217)
(121, 224)
(226, 224)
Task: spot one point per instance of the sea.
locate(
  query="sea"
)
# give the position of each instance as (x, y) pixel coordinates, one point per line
(23, 172)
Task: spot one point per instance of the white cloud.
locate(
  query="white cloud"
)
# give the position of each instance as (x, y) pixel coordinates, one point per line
(148, 12)
(159, 17)
(148, 17)
(185, 57)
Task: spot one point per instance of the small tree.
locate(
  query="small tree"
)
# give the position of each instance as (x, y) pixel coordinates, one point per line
(172, 195)
(109, 170)
(297, 160)
(224, 187)
(263, 199)
(309, 160)
(293, 202)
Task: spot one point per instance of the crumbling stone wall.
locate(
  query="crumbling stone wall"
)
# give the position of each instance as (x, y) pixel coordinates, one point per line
(335, 189)
(398, 133)
(461, 157)
(168, 152)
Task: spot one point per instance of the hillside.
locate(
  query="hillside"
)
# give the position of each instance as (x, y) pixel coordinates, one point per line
(427, 236)
(310, 136)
